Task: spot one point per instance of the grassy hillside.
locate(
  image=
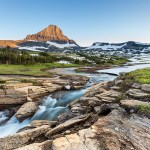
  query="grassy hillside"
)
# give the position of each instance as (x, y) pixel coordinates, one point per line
(142, 76)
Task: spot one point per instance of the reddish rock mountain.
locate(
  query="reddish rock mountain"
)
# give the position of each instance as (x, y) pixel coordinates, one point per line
(51, 33)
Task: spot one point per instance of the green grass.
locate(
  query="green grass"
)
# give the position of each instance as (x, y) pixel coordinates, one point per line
(142, 76)
(144, 109)
(36, 69)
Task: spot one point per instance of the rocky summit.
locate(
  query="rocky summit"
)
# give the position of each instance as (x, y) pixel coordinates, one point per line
(51, 33)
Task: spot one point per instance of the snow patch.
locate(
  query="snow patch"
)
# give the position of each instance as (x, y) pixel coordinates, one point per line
(33, 48)
(106, 46)
(61, 45)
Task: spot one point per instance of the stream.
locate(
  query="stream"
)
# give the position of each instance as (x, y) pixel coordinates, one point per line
(56, 103)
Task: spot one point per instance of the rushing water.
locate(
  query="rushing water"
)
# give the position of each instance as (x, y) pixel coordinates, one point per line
(55, 104)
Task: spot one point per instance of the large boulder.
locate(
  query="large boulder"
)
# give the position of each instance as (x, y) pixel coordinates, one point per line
(27, 110)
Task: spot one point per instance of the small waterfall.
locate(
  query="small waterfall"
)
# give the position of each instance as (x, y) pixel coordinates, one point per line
(12, 126)
(51, 107)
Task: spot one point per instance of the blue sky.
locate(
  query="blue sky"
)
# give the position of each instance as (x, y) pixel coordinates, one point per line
(85, 21)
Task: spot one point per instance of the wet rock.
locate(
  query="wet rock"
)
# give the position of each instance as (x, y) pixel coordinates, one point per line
(38, 146)
(23, 138)
(146, 88)
(38, 123)
(132, 104)
(66, 125)
(27, 110)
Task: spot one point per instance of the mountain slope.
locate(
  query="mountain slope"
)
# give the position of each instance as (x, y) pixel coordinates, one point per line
(49, 39)
(51, 33)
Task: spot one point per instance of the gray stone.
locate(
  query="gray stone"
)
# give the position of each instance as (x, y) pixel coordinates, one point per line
(137, 94)
(136, 85)
(66, 125)
(145, 88)
(27, 110)
(118, 82)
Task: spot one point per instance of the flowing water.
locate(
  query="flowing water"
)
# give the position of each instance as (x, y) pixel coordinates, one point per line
(56, 103)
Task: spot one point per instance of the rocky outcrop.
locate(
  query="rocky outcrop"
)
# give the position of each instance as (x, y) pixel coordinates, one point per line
(78, 141)
(23, 138)
(10, 96)
(132, 104)
(104, 118)
(138, 94)
(51, 33)
(64, 126)
(119, 131)
(27, 110)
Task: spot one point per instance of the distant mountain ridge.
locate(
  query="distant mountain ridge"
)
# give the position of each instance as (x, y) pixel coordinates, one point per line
(119, 46)
(50, 38)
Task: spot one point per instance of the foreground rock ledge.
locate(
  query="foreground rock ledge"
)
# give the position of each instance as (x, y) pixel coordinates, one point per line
(23, 138)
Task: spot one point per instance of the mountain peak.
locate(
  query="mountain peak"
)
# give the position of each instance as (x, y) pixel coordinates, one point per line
(51, 33)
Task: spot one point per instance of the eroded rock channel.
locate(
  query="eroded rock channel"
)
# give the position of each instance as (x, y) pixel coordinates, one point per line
(105, 116)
